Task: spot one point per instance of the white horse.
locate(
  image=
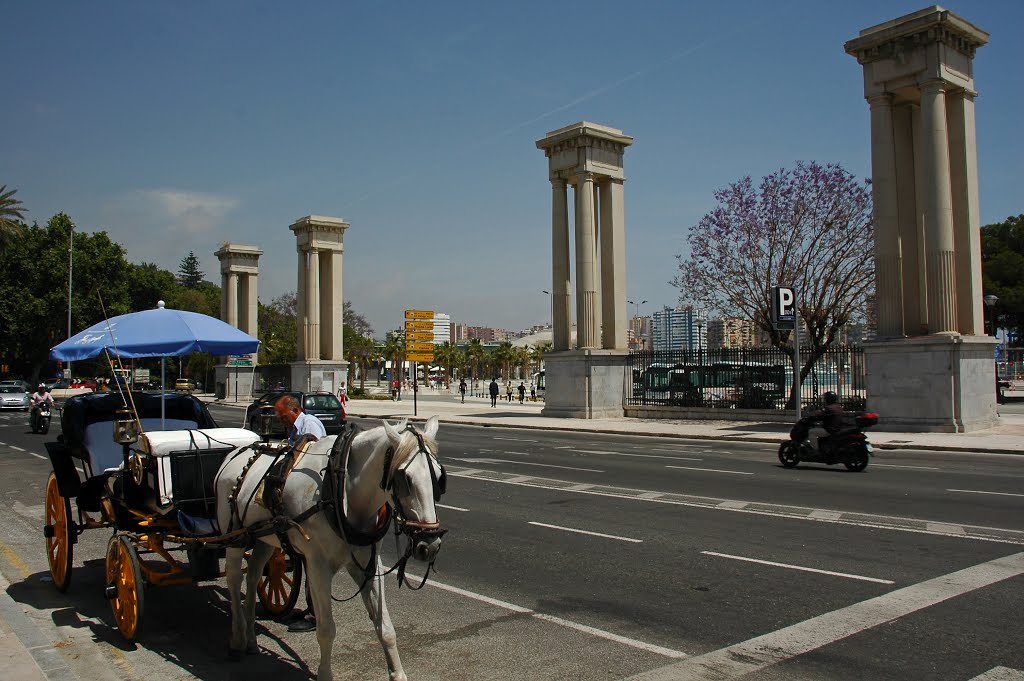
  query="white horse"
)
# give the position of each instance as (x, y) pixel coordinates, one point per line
(384, 466)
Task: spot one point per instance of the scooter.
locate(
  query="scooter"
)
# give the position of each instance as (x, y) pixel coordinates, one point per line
(40, 420)
(849, 446)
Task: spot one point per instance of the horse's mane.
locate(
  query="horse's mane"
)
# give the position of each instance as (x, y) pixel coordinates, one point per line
(407, 447)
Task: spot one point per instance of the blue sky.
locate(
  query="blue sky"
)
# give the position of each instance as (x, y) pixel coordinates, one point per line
(176, 126)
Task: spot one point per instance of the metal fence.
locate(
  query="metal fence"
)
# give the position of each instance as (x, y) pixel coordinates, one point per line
(741, 378)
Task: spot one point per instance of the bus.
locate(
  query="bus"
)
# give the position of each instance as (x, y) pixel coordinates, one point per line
(723, 384)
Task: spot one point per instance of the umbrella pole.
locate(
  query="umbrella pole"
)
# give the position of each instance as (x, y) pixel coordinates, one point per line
(163, 391)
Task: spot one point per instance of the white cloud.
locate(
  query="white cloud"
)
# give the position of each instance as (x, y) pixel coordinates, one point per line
(189, 213)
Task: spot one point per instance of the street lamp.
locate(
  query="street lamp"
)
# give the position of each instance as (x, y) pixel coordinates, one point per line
(636, 322)
(551, 314)
(990, 303)
(71, 250)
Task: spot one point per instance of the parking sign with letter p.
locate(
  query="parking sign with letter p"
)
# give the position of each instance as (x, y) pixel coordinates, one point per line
(783, 308)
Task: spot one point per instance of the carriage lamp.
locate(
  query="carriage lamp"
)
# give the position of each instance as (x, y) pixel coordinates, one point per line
(126, 431)
(265, 422)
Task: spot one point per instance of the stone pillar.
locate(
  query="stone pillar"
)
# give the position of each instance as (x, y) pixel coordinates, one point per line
(320, 364)
(614, 313)
(919, 81)
(963, 167)
(561, 324)
(312, 304)
(239, 272)
(232, 298)
(888, 255)
(586, 286)
(300, 307)
(588, 382)
(938, 210)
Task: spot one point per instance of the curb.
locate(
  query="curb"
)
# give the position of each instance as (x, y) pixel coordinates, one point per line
(29, 655)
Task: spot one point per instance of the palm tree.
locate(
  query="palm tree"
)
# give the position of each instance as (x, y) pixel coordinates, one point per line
(394, 351)
(504, 355)
(445, 355)
(10, 210)
(475, 351)
(537, 353)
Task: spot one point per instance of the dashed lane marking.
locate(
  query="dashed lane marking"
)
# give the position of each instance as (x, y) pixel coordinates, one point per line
(978, 491)
(1000, 674)
(960, 531)
(799, 567)
(592, 534)
(452, 508)
(756, 654)
(893, 465)
(709, 470)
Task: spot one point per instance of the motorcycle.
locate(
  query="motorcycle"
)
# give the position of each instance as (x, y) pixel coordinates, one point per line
(40, 420)
(849, 446)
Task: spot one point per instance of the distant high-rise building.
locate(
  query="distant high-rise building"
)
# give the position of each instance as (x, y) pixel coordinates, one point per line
(640, 333)
(679, 329)
(731, 333)
(442, 328)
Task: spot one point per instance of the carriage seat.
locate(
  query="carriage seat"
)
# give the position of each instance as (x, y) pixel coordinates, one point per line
(105, 455)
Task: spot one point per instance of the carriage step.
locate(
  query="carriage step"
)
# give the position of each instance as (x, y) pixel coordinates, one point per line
(110, 592)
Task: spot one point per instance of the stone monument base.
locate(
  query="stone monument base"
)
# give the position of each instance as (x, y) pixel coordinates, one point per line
(318, 376)
(943, 384)
(584, 384)
(235, 383)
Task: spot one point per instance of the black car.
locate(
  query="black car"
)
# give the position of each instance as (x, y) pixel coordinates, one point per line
(324, 406)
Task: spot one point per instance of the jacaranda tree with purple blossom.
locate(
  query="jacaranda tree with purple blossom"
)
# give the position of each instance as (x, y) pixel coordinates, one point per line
(809, 227)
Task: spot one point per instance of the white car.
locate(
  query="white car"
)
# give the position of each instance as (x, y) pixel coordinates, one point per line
(13, 397)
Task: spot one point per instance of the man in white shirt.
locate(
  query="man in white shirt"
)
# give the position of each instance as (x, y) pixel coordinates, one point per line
(299, 423)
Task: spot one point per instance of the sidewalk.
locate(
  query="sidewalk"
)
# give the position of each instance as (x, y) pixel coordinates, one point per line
(1006, 437)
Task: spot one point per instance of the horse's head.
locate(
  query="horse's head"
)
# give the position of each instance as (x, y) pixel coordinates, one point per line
(415, 480)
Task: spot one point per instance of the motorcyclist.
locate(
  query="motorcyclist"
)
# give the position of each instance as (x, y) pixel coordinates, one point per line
(37, 398)
(830, 416)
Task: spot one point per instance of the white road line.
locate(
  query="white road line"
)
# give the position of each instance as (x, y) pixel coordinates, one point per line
(594, 534)
(764, 651)
(978, 491)
(800, 567)
(524, 463)
(512, 439)
(645, 456)
(452, 508)
(666, 449)
(709, 470)
(1000, 674)
(600, 633)
(17, 448)
(893, 465)
(38, 456)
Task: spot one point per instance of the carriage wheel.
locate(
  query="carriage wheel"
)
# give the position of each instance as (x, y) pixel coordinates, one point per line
(278, 587)
(57, 531)
(124, 585)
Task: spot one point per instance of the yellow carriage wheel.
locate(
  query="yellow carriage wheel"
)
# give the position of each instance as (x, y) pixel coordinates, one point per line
(278, 586)
(57, 531)
(124, 585)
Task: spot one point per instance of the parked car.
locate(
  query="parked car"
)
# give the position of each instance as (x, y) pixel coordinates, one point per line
(14, 397)
(16, 383)
(185, 385)
(324, 406)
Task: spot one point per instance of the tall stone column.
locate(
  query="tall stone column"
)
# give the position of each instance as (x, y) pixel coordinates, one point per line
(963, 166)
(332, 310)
(560, 284)
(614, 313)
(938, 210)
(301, 294)
(239, 269)
(250, 304)
(586, 287)
(915, 303)
(232, 296)
(312, 304)
(888, 256)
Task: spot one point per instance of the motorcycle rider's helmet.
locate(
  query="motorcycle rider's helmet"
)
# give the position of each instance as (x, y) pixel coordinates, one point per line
(41, 388)
(830, 398)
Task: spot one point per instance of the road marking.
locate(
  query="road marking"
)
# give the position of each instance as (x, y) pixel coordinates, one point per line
(525, 463)
(893, 465)
(643, 456)
(594, 534)
(665, 449)
(38, 456)
(600, 633)
(512, 439)
(452, 508)
(736, 505)
(17, 448)
(709, 470)
(800, 567)
(978, 491)
(1000, 674)
(761, 652)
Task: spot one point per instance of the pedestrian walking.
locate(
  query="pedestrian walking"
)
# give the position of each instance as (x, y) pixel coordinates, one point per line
(533, 392)
(522, 392)
(508, 391)
(493, 389)
(462, 389)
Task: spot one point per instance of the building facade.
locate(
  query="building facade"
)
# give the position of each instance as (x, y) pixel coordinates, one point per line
(679, 329)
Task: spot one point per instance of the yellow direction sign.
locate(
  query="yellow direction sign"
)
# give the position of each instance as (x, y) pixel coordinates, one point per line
(420, 357)
(414, 325)
(419, 347)
(419, 336)
(419, 314)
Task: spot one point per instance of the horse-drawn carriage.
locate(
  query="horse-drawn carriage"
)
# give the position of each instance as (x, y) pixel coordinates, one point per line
(148, 464)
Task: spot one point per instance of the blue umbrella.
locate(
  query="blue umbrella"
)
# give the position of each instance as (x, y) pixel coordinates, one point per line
(156, 333)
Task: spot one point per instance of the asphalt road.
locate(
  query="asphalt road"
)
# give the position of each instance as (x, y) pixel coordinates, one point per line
(573, 556)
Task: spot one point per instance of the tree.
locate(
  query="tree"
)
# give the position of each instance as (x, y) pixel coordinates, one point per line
(278, 330)
(355, 321)
(189, 274)
(12, 215)
(809, 227)
(1002, 259)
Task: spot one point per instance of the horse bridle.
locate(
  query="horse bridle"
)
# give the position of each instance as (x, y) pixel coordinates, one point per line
(416, 530)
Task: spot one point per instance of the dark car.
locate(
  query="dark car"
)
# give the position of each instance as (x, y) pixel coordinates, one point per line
(324, 406)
